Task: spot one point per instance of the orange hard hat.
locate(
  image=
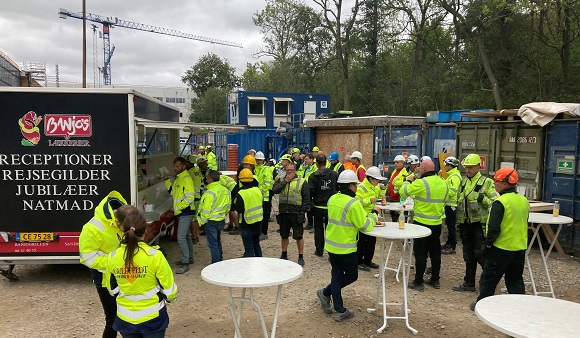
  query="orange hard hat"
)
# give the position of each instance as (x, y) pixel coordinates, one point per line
(509, 175)
(246, 175)
(249, 159)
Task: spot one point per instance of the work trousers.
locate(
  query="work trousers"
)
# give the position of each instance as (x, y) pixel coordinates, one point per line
(499, 263)
(109, 304)
(184, 237)
(344, 272)
(213, 231)
(267, 207)
(428, 245)
(320, 222)
(251, 239)
(450, 220)
(472, 240)
(158, 334)
(365, 248)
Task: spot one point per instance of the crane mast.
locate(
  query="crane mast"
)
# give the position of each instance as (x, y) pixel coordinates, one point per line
(112, 21)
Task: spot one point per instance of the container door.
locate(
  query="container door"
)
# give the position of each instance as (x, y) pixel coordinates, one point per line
(221, 148)
(304, 139)
(391, 141)
(440, 139)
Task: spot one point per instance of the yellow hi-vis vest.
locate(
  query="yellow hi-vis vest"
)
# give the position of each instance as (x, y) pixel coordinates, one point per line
(453, 182)
(429, 194)
(215, 203)
(265, 177)
(100, 235)
(514, 225)
(253, 211)
(346, 216)
(291, 192)
(182, 192)
(141, 289)
(211, 161)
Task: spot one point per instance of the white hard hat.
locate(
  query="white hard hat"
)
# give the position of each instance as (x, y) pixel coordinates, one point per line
(399, 158)
(356, 154)
(413, 159)
(426, 158)
(374, 172)
(347, 176)
(260, 156)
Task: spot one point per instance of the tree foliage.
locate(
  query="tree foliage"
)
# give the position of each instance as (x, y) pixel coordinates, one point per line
(210, 107)
(210, 71)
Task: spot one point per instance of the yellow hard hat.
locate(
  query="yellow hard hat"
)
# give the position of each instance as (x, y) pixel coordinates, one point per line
(286, 157)
(315, 149)
(201, 147)
(249, 159)
(246, 175)
(471, 159)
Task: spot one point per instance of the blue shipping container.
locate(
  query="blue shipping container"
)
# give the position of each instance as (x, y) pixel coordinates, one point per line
(392, 141)
(258, 139)
(303, 139)
(440, 139)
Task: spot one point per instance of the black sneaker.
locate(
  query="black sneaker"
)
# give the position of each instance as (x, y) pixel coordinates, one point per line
(372, 265)
(202, 233)
(300, 261)
(319, 254)
(472, 306)
(324, 301)
(448, 251)
(236, 231)
(284, 257)
(433, 283)
(308, 227)
(429, 270)
(363, 267)
(416, 287)
(229, 228)
(183, 269)
(463, 288)
(341, 316)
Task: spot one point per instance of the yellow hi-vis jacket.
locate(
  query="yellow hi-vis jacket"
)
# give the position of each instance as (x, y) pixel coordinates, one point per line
(346, 216)
(430, 195)
(100, 236)
(469, 209)
(253, 211)
(227, 182)
(197, 178)
(513, 235)
(365, 191)
(211, 161)
(182, 192)
(215, 203)
(141, 289)
(453, 182)
(265, 176)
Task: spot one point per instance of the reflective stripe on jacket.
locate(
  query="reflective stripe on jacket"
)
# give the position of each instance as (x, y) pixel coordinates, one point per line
(469, 210)
(253, 211)
(100, 236)
(142, 288)
(182, 192)
(197, 178)
(365, 191)
(513, 234)
(215, 203)
(265, 177)
(453, 182)
(429, 194)
(346, 216)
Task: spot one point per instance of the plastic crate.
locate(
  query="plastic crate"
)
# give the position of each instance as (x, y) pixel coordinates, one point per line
(438, 116)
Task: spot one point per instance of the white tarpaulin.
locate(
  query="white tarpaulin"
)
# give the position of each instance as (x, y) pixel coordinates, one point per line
(541, 113)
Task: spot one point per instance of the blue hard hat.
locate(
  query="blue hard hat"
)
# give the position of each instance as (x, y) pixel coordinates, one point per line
(333, 156)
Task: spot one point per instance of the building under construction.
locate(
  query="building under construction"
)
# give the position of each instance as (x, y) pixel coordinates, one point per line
(27, 75)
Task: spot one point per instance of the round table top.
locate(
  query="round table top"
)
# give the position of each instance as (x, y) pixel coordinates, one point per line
(391, 231)
(229, 173)
(541, 218)
(251, 272)
(530, 316)
(393, 206)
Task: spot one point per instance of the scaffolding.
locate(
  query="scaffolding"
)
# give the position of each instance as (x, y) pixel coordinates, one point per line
(36, 73)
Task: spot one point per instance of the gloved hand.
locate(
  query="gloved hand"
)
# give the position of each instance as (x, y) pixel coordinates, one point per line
(480, 197)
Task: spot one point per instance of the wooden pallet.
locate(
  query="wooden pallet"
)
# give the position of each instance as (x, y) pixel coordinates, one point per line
(494, 115)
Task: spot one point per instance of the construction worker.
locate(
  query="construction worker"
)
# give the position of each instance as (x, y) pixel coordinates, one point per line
(294, 202)
(356, 158)
(141, 278)
(213, 208)
(248, 162)
(306, 169)
(346, 219)
(322, 185)
(99, 237)
(506, 237)
(196, 177)
(474, 198)
(183, 194)
(265, 175)
(201, 150)
(248, 203)
(369, 192)
(348, 164)
(280, 175)
(334, 163)
(198, 174)
(413, 162)
(429, 192)
(398, 176)
(316, 151)
(453, 180)
(211, 158)
(251, 152)
(296, 158)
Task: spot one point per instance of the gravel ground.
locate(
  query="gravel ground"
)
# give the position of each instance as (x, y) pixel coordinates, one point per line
(60, 301)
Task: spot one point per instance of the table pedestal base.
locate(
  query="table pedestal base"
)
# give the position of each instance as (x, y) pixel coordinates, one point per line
(381, 282)
(243, 299)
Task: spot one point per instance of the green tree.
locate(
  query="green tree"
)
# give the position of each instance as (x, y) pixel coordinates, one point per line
(210, 71)
(210, 107)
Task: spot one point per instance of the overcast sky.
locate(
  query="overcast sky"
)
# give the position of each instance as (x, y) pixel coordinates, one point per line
(33, 32)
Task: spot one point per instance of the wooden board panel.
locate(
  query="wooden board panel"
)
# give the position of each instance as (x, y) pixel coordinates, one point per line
(345, 142)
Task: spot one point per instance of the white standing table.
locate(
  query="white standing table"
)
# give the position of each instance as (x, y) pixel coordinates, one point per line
(529, 316)
(229, 172)
(536, 220)
(249, 273)
(389, 233)
(392, 206)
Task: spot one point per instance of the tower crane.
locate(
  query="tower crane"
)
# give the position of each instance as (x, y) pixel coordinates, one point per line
(112, 21)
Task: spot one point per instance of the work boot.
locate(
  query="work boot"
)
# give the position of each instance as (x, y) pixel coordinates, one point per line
(463, 288)
(263, 237)
(183, 269)
(341, 316)
(433, 283)
(472, 306)
(300, 261)
(324, 301)
(308, 227)
(448, 251)
(236, 231)
(230, 227)
(363, 267)
(416, 287)
(372, 265)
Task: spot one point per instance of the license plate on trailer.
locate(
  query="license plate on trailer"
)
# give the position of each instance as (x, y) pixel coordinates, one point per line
(35, 237)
